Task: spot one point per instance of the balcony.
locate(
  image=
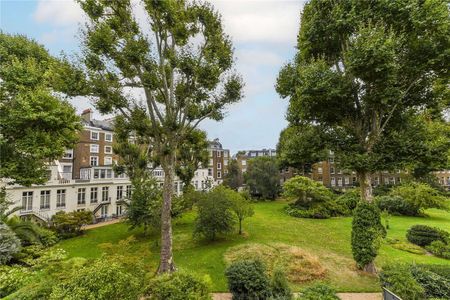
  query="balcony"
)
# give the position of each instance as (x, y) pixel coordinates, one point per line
(99, 174)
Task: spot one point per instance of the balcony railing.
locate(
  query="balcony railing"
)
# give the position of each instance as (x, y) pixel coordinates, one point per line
(99, 173)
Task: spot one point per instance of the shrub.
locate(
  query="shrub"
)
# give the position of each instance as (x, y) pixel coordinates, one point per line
(405, 246)
(69, 224)
(424, 235)
(319, 292)
(9, 244)
(47, 237)
(349, 199)
(399, 280)
(100, 280)
(263, 177)
(313, 213)
(12, 278)
(419, 196)
(214, 214)
(247, 280)
(439, 249)
(279, 286)
(443, 270)
(306, 192)
(435, 285)
(178, 286)
(395, 205)
(367, 232)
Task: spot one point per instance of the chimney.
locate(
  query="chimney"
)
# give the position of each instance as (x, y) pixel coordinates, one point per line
(86, 115)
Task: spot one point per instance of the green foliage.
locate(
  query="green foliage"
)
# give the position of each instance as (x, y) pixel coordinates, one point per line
(214, 214)
(247, 280)
(178, 286)
(12, 278)
(263, 177)
(349, 199)
(240, 206)
(144, 208)
(423, 235)
(405, 246)
(279, 286)
(306, 192)
(69, 224)
(31, 233)
(439, 248)
(435, 285)
(318, 292)
(420, 196)
(398, 279)
(395, 205)
(233, 179)
(367, 232)
(442, 270)
(9, 244)
(36, 123)
(102, 279)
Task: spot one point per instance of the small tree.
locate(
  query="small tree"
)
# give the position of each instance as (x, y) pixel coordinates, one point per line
(69, 224)
(240, 206)
(263, 177)
(233, 179)
(9, 244)
(367, 232)
(280, 286)
(306, 191)
(214, 214)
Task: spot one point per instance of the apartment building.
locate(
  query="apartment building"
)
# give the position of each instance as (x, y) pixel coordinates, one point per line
(244, 156)
(84, 178)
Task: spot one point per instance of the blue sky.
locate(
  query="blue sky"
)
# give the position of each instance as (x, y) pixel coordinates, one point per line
(264, 36)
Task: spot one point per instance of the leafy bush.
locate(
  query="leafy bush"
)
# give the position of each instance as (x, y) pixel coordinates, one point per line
(435, 285)
(349, 199)
(313, 213)
(443, 270)
(424, 235)
(12, 278)
(69, 224)
(367, 232)
(395, 205)
(399, 280)
(319, 292)
(9, 244)
(214, 214)
(102, 279)
(419, 196)
(47, 237)
(263, 177)
(178, 286)
(247, 280)
(405, 246)
(306, 192)
(279, 286)
(439, 249)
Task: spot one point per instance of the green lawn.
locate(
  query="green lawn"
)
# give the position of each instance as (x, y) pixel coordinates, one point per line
(329, 240)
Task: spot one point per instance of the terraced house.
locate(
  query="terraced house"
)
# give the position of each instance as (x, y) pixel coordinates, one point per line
(84, 178)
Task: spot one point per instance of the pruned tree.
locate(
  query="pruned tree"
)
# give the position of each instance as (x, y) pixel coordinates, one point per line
(177, 59)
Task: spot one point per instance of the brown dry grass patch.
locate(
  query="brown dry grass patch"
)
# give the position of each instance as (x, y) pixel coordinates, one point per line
(299, 265)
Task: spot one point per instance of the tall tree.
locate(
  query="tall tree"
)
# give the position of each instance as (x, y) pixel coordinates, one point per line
(364, 71)
(180, 62)
(37, 124)
(263, 177)
(234, 178)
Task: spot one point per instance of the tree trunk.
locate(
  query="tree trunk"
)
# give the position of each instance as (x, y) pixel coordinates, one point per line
(370, 268)
(240, 226)
(166, 261)
(365, 183)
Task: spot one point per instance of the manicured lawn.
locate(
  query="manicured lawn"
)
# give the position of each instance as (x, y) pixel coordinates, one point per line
(329, 240)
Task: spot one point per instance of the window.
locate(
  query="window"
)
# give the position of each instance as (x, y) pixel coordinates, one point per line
(331, 159)
(94, 148)
(225, 162)
(319, 170)
(27, 200)
(331, 170)
(339, 171)
(219, 166)
(94, 194)
(108, 137)
(107, 161)
(94, 161)
(210, 172)
(67, 169)
(339, 181)
(244, 162)
(219, 174)
(119, 210)
(81, 196)
(94, 135)
(45, 200)
(219, 153)
(105, 193)
(347, 180)
(68, 154)
(128, 191)
(119, 193)
(108, 150)
(225, 154)
(211, 162)
(61, 198)
(333, 181)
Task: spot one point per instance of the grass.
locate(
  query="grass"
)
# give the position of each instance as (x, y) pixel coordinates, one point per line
(328, 240)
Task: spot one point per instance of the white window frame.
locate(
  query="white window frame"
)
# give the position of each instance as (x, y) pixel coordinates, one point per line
(94, 191)
(119, 192)
(27, 200)
(219, 166)
(105, 193)
(110, 135)
(81, 196)
(219, 153)
(61, 198)
(107, 160)
(219, 174)
(68, 154)
(98, 135)
(45, 199)
(333, 181)
(110, 149)
(96, 161)
(94, 148)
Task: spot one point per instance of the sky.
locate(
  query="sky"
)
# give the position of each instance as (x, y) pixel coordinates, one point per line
(264, 36)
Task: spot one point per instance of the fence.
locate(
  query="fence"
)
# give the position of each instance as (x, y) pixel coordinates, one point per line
(388, 295)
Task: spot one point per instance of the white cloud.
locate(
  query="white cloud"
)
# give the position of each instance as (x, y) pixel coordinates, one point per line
(58, 12)
(258, 57)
